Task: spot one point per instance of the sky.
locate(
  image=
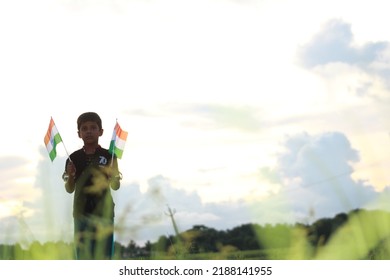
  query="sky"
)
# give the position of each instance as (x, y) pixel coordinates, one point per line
(237, 111)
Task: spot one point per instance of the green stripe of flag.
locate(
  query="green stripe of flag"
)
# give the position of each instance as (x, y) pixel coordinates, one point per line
(53, 153)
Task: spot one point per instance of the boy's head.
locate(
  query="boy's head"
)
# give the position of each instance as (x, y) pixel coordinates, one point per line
(89, 116)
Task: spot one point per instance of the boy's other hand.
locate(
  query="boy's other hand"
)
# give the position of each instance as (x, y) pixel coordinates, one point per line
(71, 169)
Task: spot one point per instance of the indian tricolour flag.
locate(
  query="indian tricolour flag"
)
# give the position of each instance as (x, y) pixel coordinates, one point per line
(52, 138)
(118, 141)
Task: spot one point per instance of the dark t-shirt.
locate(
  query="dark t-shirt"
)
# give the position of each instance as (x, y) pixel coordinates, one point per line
(92, 188)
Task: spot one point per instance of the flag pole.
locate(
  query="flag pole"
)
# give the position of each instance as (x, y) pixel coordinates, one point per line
(113, 148)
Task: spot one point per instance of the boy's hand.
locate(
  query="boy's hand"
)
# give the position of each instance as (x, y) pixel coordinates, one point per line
(71, 169)
(69, 177)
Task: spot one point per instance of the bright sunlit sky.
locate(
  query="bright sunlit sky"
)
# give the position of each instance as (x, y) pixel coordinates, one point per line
(237, 111)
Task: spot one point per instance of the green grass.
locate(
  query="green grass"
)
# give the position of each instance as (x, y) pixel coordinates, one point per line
(364, 236)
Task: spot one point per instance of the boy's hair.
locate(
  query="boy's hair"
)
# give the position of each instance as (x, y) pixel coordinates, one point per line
(89, 116)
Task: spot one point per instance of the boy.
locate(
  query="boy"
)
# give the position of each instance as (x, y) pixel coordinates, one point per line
(90, 172)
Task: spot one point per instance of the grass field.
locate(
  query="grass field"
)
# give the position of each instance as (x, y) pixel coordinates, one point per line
(366, 235)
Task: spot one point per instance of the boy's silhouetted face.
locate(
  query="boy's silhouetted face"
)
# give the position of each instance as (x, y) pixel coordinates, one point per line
(90, 132)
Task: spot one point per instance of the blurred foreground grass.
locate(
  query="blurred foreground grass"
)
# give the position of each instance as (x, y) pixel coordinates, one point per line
(365, 235)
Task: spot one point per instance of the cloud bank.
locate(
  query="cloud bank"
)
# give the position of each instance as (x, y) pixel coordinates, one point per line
(335, 43)
(334, 54)
(312, 174)
(315, 171)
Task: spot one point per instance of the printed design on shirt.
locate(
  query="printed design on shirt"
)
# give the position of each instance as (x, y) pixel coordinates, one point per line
(103, 160)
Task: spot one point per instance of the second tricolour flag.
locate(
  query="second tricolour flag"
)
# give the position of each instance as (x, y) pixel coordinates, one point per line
(52, 138)
(118, 141)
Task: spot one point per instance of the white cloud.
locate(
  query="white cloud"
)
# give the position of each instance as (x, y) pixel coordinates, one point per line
(335, 44)
(316, 174)
(365, 65)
